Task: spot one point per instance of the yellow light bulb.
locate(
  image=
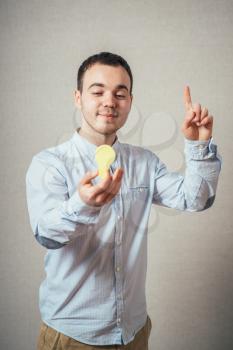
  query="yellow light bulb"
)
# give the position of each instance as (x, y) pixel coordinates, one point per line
(104, 156)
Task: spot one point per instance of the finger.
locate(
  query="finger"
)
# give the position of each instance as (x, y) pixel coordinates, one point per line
(116, 182)
(90, 175)
(204, 113)
(110, 196)
(188, 120)
(117, 176)
(187, 98)
(103, 185)
(197, 111)
(112, 190)
(106, 196)
(207, 121)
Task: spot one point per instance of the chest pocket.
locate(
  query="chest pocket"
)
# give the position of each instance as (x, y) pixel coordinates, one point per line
(137, 192)
(135, 200)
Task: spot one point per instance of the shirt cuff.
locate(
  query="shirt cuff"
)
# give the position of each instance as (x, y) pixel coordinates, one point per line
(200, 150)
(76, 206)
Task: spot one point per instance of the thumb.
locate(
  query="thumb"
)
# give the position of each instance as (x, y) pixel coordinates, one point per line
(188, 119)
(90, 175)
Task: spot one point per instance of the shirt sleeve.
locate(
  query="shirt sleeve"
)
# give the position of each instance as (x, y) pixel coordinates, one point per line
(196, 190)
(55, 217)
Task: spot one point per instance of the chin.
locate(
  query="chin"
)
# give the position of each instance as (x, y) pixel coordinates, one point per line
(106, 127)
(107, 131)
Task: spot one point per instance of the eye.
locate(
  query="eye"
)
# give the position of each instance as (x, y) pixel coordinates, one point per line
(120, 96)
(98, 93)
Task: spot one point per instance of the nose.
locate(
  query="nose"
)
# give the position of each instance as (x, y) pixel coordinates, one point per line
(109, 101)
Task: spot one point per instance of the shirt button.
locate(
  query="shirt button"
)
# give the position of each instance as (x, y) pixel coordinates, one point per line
(118, 269)
(118, 320)
(118, 217)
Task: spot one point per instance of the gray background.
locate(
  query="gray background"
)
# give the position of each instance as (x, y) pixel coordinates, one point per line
(167, 44)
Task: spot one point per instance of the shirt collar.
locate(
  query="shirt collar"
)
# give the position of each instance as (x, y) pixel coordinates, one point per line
(89, 148)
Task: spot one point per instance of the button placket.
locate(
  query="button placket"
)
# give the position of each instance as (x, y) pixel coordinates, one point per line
(118, 258)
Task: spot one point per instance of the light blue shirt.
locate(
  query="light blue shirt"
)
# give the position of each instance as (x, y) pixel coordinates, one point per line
(96, 258)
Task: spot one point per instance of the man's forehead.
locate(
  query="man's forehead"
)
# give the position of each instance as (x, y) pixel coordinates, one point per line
(104, 74)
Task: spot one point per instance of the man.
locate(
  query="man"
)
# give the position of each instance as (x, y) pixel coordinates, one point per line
(95, 230)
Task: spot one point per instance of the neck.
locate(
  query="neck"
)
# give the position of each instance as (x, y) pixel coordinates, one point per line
(96, 138)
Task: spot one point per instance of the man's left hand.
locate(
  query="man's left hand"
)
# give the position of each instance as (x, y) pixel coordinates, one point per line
(198, 124)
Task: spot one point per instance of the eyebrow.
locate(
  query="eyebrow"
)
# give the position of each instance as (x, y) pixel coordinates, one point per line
(119, 86)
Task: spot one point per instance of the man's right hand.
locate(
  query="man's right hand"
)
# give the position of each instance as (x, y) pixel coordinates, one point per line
(103, 192)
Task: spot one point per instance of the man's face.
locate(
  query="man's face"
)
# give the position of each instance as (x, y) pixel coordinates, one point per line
(105, 101)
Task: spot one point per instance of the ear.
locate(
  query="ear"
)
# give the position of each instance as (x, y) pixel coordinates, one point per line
(131, 96)
(77, 99)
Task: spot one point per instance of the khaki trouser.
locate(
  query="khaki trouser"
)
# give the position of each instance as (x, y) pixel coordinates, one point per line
(50, 339)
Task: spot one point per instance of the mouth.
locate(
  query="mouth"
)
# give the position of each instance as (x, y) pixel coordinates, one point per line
(108, 116)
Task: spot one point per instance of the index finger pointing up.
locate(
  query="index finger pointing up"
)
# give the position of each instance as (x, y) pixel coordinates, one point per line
(187, 98)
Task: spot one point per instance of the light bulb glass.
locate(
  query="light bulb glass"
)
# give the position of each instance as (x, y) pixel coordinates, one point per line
(104, 156)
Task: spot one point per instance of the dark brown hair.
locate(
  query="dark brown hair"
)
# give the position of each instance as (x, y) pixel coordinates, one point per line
(106, 58)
